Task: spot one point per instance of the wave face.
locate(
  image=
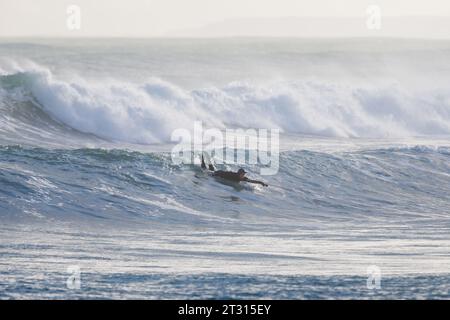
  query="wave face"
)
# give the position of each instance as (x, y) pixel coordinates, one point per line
(404, 185)
(148, 112)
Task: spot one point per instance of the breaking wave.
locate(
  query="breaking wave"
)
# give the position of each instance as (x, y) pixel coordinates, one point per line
(148, 112)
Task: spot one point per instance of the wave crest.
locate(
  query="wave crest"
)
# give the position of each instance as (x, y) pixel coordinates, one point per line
(149, 112)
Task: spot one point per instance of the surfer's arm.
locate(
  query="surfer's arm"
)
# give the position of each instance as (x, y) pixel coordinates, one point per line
(256, 182)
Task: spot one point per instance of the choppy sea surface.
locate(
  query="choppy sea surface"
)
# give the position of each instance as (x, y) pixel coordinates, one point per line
(87, 182)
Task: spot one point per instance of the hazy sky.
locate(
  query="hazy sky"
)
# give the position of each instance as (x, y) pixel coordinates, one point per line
(142, 18)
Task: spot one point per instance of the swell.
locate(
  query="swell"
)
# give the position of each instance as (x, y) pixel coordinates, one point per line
(148, 112)
(408, 186)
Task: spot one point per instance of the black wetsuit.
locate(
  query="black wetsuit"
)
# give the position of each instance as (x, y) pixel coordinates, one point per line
(229, 175)
(232, 176)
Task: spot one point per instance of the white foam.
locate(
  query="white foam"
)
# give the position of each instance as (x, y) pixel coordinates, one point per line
(149, 112)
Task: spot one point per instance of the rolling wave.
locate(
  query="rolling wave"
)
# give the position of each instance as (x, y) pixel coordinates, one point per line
(148, 112)
(404, 185)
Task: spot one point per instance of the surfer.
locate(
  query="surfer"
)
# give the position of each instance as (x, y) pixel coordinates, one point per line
(231, 176)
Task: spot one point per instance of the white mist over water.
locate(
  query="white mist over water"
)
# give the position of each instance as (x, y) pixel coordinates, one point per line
(139, 92)
(335, 103)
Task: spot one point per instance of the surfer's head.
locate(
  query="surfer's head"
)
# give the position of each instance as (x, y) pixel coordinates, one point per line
(241, 172)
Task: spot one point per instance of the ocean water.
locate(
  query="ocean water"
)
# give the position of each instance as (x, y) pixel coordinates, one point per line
(87, 182)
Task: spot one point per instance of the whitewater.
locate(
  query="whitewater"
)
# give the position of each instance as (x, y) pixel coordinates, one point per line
(87, 179)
